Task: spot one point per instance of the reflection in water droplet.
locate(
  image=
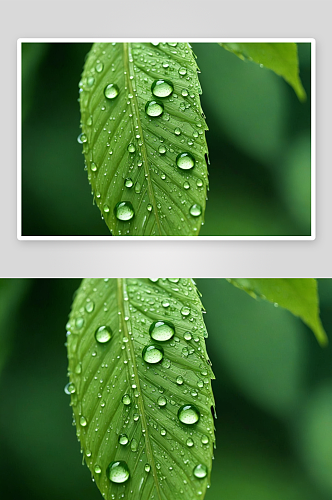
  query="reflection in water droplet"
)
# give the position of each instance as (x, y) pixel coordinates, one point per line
(106, 208)
(186, 185)
(188, 414)
(184, 92)
(123, 439)
(162, 330)
(126, 399)
(103, 334)
(124, 211)
(195, 210)
(154, 108)
(152, 354)
(70, 388)
(118, 472)
(200, 471)
(185, 161)
(111, 91)
(162, 88)
(162, 401)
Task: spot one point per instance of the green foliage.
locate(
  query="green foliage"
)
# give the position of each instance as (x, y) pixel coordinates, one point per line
(298, 295)
(114, 391)
(132, 152)
(282, 58)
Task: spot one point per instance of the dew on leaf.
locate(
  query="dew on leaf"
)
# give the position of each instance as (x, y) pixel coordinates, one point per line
(188, 414)
(103, 334)
(70, 388)
(131, 148)
(99, 67)
(82, 138)
(190, 442)
(199, 183)
(149, 207)
(118, 472)
(182, 71)
(185, 311)
(106, 208)
(97, 469)
(200, 471)
(93, 167)
(195, 210)
(162, 150)
(186, 185)
(152, 354)
(162, 330)
(133, 445)
(162, 401)
(185, 161)
(83, 421)
(126, 399)
(123, 439)
(163, 432)
(162, 88)
(205, 439)
(177, 131)
(179, 380)
(154, 108)
(124, 211)
(111, 91)
(184, 92)
(128, 182)
(147, 467)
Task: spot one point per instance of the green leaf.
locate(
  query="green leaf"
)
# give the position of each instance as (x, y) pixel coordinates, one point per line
(132, 157)
(282, 58)
(298, 295)
(158, 455)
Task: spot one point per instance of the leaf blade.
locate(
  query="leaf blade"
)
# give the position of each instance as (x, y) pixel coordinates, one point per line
(298, 295)
(280, 57)
(124, 296)
(160, 201)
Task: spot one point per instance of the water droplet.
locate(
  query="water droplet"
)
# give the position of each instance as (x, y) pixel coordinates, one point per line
(162, 88)
(131, 148)
(185, 161)
(186, 185)
(184, 92)
(83, 421)
(200, 471)
(188, 414)
(162, 150)
(154, 108)
(152, 354)
(162, 330)
(199, 183)
(111, 91)
(126, 399)
(89, 121)
(177, 131)
(179, 380)
(78, 368)
(165, 303)
(106, 208)
(79, 323)
(97, 469)
(182, 71)
(123, 439)
(82, 138)
(118, 472)
(103, 334)
(99, 67)
(147, 468)
(90, 307)
(93, 167)
(200, 383)
(163, 432)
(205, 439)
(128, 182)
(136, 417)
(190, 442)
(185, 311)
(90, 81)
(162, 401)
(70, 388)
(124, 210)
(195, 210)
(133, 445)
(149, 207)
(88, 453)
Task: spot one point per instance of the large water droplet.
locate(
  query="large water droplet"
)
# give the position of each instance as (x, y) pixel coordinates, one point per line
(200, 471)
(118, 472)
(185, 161)
(103, 334)
(154, 108)
(128, 182)
(123, 439)
(162, 88)
(126, 399)
(70, 388)
(131, 148)
(111, 91)
(152, 354)
(124, 210)
(162, 330)
(195, 210)
(188, 414)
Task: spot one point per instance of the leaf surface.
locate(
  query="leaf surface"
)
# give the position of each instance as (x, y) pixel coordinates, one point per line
(298, 295)
(131, 156)
(282, 58)
(161, 452)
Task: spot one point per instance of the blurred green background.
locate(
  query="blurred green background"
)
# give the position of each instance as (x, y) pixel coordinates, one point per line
(259, 146)
(273, 393)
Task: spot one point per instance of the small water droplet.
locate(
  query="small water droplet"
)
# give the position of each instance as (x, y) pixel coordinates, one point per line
(97, 469)
(136, 417)
(124, 211)
(184, 92)
(195, 210)
(185, 311)
(118, 472)
(154, 108)
(99, 67)
(149, 207)
(126, 399)
(111, 91)
(190, 442)
(70, 388)
(185, 161)
(90, 307)
(186, 185)
(182, 71)
(200, 471)
(90, 81)
(128, 182)
(106, 208)
(179, 380)
(131, 148)
(82, 138)
(162, 150)
(133, 445)
(103, 334)
(177, 131)
(78, 368)
(205, 439)
(163, 432)
(162, 401)
(147, 468)
(162, 330)
(199, 183)
(83, 421)
(152, 354)
(162, 88)
(123, 439)
(93, 167)
(188, 414)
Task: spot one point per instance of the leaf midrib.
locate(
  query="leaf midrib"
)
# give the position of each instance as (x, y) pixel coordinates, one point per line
(124, 308)
(135, 111)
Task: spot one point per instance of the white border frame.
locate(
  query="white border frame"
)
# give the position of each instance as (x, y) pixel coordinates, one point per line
(183, 238)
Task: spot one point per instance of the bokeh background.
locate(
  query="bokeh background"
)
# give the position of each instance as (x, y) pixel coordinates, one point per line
(259, 146)
(273, 392)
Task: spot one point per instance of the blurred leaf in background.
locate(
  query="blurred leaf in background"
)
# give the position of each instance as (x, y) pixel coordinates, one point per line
(272, 391)
(258, 139)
